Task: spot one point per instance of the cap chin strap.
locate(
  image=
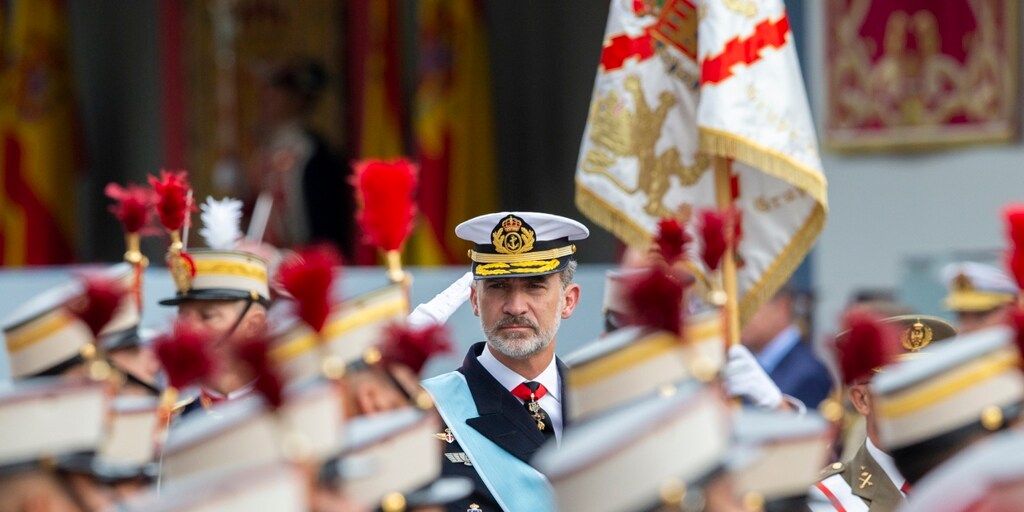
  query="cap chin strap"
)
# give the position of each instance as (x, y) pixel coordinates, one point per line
(241, 316)
(132, 378)
(401, 389)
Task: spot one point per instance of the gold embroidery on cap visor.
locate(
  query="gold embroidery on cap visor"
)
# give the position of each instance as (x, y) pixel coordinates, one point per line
(525, 267)
(976, 301)
(963, 296)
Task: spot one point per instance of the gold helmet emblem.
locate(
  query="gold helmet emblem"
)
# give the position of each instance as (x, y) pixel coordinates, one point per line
(916, 336)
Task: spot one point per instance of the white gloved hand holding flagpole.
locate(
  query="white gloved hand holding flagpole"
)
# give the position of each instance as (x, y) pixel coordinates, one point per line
(443, 305)
(745, 378)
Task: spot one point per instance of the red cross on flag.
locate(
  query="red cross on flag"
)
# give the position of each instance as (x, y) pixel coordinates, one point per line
(685, 88)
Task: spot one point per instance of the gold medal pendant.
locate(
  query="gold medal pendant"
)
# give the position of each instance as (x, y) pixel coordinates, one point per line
(534, 409)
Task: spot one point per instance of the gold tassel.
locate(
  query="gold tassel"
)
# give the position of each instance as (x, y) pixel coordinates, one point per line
(180, 272)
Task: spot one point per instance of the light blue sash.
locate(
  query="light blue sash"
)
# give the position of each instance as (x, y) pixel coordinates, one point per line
(515, 485)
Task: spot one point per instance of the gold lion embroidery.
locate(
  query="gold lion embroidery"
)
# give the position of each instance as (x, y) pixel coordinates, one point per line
(618, 133)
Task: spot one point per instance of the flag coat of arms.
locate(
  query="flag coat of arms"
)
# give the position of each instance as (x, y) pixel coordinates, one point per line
(683, 84)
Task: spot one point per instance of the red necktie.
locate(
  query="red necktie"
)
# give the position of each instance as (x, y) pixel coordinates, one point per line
(529, 392)
(906, 487)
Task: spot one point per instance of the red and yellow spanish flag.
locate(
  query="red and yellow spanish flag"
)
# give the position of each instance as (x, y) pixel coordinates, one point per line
(452, 128)
(377, 119)
(38, 146)
(376, 87)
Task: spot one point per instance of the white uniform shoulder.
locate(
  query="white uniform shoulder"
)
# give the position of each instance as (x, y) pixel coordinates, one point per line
(833, 494)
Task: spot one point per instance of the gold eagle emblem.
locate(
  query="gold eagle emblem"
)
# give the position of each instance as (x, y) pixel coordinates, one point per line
(617, 132)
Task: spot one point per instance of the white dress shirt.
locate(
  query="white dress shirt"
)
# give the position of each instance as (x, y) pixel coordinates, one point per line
(885, 462)
(509, 379)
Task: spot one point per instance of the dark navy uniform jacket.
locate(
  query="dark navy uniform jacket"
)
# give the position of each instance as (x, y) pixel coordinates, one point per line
(800, 374)
(503, 420)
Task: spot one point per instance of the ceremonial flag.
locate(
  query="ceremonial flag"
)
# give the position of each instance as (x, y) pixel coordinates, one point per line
(37, 135)
(676, 92)
(376, 71)
(452, 127)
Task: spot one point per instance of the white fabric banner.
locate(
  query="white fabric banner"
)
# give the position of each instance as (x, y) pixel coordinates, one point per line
(680, 85)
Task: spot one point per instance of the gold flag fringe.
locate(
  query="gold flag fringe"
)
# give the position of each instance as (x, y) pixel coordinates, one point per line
(611, 219)
(784, 265)
(771, 162)
(781, 166)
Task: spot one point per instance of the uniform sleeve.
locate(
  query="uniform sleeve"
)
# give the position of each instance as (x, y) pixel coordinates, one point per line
(834, 494)
(818, 502)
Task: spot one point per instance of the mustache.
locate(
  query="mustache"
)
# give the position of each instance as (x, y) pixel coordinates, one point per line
(516, 321)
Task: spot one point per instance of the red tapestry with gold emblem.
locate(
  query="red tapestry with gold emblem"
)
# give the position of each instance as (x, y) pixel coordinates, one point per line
(919, 73)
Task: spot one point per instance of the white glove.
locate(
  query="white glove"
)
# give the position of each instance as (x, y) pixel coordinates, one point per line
(745, 378)
(443, 305)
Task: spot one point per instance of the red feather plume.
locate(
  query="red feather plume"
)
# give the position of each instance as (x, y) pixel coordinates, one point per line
(307, 276)
(866, 345)
(172, 203)
(100, 299)
(712, 230)
(655, 300)
(1016, 320)
(133, 207)
(671, 240)
(715, 230)
(413, 347)
(1014, 218)
(386, 195)
(185, 355)
(253, 353)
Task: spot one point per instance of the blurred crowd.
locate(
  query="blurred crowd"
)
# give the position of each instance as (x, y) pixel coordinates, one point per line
(266, 394)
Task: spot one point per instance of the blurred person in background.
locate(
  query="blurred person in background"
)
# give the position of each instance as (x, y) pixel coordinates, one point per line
(867, 477)
(774, 335)
(979, 295)
(312, 200)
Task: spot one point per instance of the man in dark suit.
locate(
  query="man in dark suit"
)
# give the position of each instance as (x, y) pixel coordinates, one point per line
(508, 397)
(774, 337)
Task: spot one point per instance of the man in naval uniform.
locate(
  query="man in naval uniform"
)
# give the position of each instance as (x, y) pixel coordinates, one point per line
(979, 295)
(507, 399)
(870, 480)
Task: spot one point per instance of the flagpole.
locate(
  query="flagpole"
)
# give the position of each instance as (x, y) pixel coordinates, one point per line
(723, 197)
